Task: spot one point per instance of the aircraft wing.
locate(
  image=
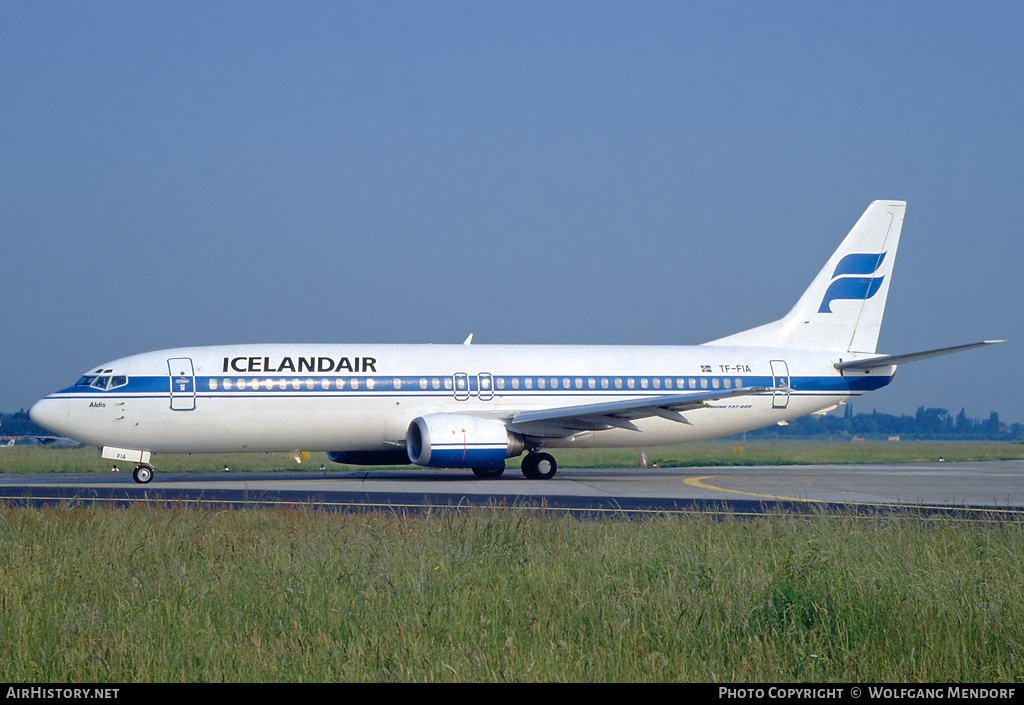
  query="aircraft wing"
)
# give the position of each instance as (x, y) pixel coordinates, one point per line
(567, 420)
(44, 440)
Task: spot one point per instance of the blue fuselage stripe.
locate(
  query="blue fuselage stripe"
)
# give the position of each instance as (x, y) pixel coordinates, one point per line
(497, 386)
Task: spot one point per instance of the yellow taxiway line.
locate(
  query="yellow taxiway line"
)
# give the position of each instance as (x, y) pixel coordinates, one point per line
(699, 482)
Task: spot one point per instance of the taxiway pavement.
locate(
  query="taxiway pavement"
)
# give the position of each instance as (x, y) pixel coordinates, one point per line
(995, 486)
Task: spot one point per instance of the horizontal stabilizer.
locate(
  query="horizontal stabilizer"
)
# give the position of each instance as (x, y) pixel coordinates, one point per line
(890, 360)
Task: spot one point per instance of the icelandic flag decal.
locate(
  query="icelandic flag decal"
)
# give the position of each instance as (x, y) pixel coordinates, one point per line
(705, 368)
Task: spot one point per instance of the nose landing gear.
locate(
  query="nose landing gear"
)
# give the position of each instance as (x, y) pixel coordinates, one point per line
(143, 473)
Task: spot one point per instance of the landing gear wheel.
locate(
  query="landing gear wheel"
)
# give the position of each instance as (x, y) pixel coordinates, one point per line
(539, 466)
(489, 473)
(143, 474)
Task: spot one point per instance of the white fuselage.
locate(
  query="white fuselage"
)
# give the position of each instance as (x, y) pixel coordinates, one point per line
(279, 397)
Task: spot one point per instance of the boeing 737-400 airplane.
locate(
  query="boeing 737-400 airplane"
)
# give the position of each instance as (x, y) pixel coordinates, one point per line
(473, 406)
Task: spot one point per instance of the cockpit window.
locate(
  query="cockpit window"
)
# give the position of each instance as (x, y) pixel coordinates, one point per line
(103, 382)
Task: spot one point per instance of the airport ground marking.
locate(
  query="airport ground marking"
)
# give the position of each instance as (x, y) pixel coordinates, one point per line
(698, 482)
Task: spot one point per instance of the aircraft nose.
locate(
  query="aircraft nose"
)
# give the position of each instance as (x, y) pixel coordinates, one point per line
(51, 414)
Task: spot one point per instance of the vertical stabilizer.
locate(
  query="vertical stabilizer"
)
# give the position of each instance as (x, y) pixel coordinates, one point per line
(843, 307)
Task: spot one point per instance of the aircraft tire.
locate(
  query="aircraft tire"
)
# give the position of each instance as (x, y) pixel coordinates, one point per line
(489, 473)
(539, 466)
(544, 467)
(529, 466)
(143, 474)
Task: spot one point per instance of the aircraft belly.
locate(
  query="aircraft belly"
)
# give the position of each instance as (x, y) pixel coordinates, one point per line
(219, 425)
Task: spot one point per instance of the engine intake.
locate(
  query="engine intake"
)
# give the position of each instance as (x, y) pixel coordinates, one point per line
(459, 441)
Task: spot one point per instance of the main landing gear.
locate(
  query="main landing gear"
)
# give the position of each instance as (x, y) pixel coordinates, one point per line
(536, 466)
(539, 466)
(489, 473)
(143, 473)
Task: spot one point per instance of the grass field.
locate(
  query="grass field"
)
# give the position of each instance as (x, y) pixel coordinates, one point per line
(145, 594)
(706, 454)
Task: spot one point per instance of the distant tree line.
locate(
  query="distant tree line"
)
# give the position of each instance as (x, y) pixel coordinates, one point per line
(926, 424)
(19, 424)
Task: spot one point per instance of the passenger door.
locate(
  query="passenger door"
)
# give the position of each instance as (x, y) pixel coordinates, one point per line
(183, 383)
(780, 380)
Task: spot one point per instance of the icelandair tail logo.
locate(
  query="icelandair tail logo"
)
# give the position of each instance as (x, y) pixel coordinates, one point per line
(848, 281)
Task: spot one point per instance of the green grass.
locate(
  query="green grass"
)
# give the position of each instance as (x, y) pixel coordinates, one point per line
(705, 454)
(147, 594)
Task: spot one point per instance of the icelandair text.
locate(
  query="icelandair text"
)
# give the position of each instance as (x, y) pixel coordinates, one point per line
(300, 364)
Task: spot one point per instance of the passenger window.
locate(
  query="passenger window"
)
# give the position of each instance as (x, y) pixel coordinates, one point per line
(435, 383)
(739, 383)
(540, 383)
(423, 382)
(398, 383)
(370, 383)
(528, 382)
(339, 383)
(515, 383)
(703, 382)
(604, 383)
(227, 384)
(714, 382)
(618, 383)
(727, 382)
(693, 383)
(355, 383)
(657, 383)
(592, 383)
(631, 383)
(448, 383)
(213, 384)
(501, 382)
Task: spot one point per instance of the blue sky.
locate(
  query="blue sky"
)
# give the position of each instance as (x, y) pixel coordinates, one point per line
(185, 173)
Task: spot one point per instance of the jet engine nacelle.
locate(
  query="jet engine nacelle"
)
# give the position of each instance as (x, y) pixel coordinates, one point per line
(459, 441)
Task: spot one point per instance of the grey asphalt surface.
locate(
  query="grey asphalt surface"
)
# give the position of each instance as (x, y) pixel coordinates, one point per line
(996, 485)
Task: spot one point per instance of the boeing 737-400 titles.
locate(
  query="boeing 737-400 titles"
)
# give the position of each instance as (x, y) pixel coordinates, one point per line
(474, 406)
